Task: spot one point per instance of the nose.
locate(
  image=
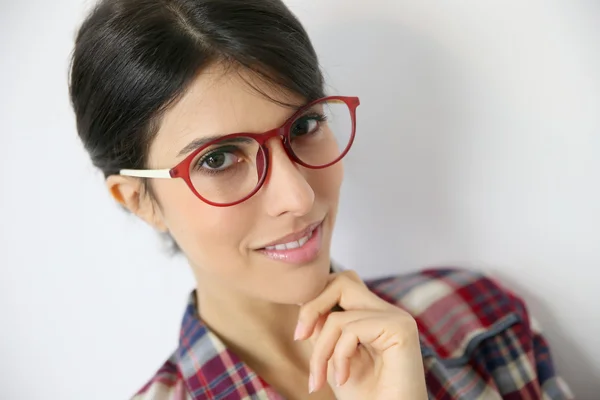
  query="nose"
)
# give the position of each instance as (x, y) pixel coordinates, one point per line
(286, 189)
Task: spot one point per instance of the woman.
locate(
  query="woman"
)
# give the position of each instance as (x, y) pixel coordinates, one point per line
(209, 121)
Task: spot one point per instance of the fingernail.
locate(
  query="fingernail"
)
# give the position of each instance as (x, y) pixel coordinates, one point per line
(299, 332)
(311, 384)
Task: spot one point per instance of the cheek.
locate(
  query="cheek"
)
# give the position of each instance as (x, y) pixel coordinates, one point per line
(327, 182)
(202, 231)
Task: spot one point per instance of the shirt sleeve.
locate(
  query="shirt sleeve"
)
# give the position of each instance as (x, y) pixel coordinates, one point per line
(543, 378)
(551, 384)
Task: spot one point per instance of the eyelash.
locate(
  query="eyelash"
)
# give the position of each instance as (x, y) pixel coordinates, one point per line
(223, 149)
(316, 116)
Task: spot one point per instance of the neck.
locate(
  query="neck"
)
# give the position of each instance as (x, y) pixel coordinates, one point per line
(260, 332)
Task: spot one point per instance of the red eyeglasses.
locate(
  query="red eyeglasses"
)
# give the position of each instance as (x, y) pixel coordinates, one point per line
(230, 169)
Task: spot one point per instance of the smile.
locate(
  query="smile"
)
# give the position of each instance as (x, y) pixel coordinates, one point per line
(293, 244)
(299, 248)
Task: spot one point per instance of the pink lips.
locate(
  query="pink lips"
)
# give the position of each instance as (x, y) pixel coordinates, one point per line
(294, 236)
(300, 255)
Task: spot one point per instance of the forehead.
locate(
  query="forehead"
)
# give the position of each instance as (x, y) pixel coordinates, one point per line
(219, 102)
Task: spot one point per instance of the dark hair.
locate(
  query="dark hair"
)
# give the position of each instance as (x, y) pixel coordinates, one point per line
(134, 58)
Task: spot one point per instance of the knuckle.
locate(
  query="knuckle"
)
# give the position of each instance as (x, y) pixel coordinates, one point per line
(407, 321)
(406, 329)
(351, 275)
(334, 319)
(347, 279)
(306, 315)
(338, 359)
(318, 358)
(341, 282)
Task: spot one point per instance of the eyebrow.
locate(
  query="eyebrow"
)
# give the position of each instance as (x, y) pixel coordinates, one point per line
(197, 143)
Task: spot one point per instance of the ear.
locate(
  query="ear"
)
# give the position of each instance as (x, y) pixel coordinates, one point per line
(130, 193)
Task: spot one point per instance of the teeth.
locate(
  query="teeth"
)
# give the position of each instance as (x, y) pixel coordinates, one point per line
(303, 240)
(291, 245)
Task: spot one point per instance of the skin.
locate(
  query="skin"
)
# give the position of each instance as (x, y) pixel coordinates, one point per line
(250, 301)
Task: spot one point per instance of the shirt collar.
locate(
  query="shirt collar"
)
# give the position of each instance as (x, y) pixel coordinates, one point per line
(209, 369)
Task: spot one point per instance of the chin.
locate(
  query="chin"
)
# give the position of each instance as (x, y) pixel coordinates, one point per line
(303, 284)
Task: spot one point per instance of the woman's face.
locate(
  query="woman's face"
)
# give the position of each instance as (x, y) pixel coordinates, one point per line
(226, 245)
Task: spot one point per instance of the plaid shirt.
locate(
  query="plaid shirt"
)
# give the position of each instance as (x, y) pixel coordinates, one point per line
(477, 341)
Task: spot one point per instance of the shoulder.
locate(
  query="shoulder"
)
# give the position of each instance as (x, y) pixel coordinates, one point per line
(452, 306)
(477, 337)
(423, 292)
(166, 384)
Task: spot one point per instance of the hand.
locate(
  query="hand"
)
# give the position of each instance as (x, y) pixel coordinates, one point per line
(370, 350)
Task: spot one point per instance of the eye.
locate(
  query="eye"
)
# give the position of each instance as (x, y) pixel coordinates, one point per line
(305, 125)
(217, 161)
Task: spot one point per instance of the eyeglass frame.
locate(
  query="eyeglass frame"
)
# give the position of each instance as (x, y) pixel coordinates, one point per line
(182, 169)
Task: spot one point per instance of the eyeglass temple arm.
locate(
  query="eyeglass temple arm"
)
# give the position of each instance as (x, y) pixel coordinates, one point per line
(146, 173)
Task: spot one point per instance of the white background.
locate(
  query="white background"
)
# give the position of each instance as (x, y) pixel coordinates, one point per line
(478, 146)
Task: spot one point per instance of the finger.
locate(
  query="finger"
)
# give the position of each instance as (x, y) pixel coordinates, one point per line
(346, 290)
(376, 332)
(345, 348)
(325, 343)
(381, 332)
(318, 328)
(363, 331)
(390, 340)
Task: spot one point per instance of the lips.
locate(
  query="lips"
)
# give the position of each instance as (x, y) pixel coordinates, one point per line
(300, 252)
(294, 240)
(294, 244)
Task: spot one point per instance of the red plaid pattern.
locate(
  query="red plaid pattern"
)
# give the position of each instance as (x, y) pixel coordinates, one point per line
(477, 341)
